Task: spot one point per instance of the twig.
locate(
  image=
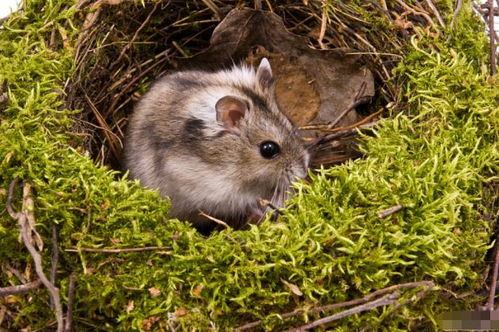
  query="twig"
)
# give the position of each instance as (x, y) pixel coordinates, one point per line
(356, 101)
(71, 294)
(493, 283)
(218, 221)
(178, 48)
(264, 202)
(436, 12)
(115, 251)
(459, 5)
(390, 299)
(16, 273)
(323, 29)
(390, 211)
(427, 284)
(338, 129)
(26, 229)
(216, 11)
(20, 289)
(108, 133)
(331, 137)
(10, 210)
(267, 203)
(55, 260)
(493, 50)
(134, 37)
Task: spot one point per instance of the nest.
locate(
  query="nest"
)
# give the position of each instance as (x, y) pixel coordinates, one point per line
(124, 46)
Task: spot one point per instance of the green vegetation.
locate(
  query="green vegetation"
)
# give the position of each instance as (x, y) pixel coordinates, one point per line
(434, 156)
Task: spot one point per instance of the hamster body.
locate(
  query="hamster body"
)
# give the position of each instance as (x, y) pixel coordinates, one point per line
(215, 142)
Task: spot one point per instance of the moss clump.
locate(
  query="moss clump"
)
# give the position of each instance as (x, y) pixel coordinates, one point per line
(433, 157)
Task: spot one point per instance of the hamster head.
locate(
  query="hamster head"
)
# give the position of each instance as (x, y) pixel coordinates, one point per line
(259, 140)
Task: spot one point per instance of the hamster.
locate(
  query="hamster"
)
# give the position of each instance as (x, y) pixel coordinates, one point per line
(215, 142)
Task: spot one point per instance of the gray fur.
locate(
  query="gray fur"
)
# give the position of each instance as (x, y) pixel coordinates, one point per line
(175, 145)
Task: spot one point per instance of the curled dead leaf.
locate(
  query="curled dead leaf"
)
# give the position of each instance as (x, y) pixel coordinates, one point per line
(328, 80)
(292, 287)
(196, 292)
(181, 312)
(154, 291)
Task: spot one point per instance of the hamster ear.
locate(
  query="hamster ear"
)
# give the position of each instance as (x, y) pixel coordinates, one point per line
(264, 73)
(230, 111)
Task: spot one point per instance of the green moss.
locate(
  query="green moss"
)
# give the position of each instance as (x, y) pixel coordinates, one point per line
(433, 157)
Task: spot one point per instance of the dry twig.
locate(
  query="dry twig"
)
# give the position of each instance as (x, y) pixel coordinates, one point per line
(493, 50)
(356, 101)
(71, 294)
(323, 29)
(459, 5)
(390, 211)
(218, 221)
(26, 223)
(428, 285)
(436, 12)
(115, 251)
(390, 299)
(55, 259)
(20, 289)
(493, 284)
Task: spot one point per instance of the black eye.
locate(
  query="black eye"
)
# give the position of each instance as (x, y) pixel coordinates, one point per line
(269, 149)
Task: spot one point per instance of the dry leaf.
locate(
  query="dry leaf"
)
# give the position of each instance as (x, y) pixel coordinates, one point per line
(154, 291)
(181, 312)
(334, 76)
(149, 322)
(130, 306)
(196, 292)
(294, 289)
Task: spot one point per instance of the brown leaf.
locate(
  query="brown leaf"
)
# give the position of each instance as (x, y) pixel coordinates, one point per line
(328, 80)
(130, 306)
(292, 287)
(196, 292)
(149, 322)
(181, 312)
(154, 291)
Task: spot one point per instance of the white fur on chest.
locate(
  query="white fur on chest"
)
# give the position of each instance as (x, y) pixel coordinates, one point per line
(210, 190)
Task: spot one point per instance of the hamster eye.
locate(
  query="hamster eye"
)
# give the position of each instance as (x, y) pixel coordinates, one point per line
(269, 149)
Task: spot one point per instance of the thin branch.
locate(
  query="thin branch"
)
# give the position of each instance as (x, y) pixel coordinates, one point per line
(10, 209)
(493, 283)
(267, 203)
(493, 51)
(55, 259)
(68, 327)
(427, 284)
(322, 32)
(134, 37)
(332, 137)
(216, 11)
(390, 211)
(389, 299)
(356, 101)
(115, 251)
(324, 127)
(419, 13)
(218, 221)
(436, 12)
(20, 289)
(459, 5)
(24, 221)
